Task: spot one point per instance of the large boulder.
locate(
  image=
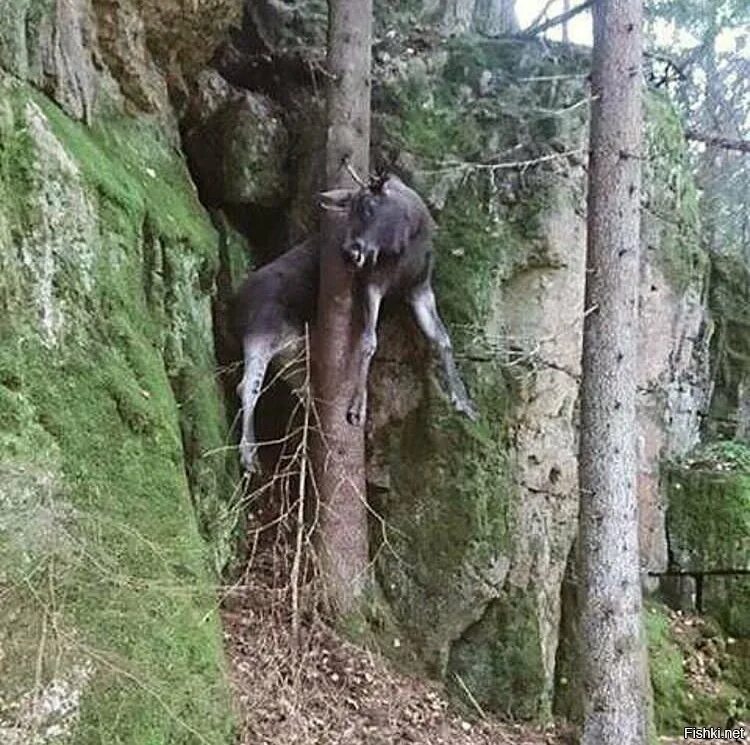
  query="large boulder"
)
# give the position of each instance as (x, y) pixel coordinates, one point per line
(237, 145)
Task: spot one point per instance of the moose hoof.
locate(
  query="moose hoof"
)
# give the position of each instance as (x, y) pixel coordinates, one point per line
(247, 457)
(466, 407)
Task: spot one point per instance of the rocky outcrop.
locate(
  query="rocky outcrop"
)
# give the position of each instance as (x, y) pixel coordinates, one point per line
(114, 483)
(237, 145)
(709, 487)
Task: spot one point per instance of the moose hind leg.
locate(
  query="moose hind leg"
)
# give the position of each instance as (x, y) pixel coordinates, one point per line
(428, 319)
(257, 355)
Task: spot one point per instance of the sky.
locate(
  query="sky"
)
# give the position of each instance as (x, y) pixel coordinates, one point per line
(579, 27)
(580, 31)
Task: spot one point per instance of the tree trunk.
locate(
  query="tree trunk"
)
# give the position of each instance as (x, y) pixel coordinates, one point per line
(495, 17)
(339, 455)
(565, 34)
(612, 641)
(489, 17)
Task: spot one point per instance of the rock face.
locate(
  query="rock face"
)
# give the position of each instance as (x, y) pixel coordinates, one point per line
(113, 514)
(709, 489)
(237, 145)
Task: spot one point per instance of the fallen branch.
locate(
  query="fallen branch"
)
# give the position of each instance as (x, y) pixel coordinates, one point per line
(742, 146)
(540, 28)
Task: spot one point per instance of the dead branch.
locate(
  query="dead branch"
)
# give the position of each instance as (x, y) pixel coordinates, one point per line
(725, 143)
(542, 14)
(297, 563)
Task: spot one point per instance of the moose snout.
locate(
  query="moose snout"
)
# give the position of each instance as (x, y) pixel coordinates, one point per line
(359, 251)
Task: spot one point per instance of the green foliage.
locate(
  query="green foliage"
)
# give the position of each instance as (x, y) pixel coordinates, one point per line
(699, 16)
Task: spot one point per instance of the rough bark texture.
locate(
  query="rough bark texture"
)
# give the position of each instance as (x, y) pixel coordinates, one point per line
(340, 459)
(612, 641)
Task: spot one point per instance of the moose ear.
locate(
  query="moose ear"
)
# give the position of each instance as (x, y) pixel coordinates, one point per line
(337, 200)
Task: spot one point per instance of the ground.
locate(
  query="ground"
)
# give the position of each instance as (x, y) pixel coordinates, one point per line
(297, 681)
(332, 692)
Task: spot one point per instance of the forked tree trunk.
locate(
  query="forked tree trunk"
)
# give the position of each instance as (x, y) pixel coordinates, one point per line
(339, 458)
(613, 652)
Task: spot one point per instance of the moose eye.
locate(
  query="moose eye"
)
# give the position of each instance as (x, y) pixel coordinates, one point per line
(367, 209)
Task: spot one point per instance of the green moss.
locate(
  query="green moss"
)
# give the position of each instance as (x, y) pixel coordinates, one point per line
(132, 585)
(500, 660)
(709, 509)
(667, 675)
(677, 701)
(671, 217)
(105, 436)
(709, 527)
(729, 301)
(135, 170)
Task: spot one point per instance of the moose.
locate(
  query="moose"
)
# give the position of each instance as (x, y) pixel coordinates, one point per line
(388, 232)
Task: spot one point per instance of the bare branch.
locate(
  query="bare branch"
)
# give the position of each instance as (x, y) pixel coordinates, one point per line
(521, 165)
(542, 14)
(742, 146)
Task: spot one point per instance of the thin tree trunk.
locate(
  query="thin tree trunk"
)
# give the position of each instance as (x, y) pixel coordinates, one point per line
(339, 464)
(565, 34)
(613, 651)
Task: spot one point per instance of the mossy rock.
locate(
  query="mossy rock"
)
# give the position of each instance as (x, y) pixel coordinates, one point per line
(729, 301)
(708, 522)
(112, 452)
(680, 698)
(671, 229)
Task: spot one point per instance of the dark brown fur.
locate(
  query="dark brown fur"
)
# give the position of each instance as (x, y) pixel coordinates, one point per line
(388, 242)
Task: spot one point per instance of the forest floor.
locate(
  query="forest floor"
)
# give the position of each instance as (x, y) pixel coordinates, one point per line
(297, 681)
(326, 691)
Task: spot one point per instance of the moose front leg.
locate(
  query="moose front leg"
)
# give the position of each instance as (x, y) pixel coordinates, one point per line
(257, 354)
(423, 304)
(367, 344)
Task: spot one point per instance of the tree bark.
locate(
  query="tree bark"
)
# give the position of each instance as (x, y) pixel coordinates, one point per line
(613, 647)
(487, 17)
(339, 455)
(495, 17)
